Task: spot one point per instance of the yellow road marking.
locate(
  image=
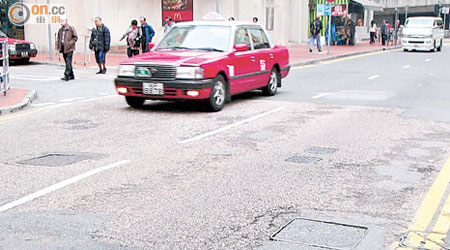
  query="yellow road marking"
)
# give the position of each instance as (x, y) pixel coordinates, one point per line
(13, 117)
(428, 208)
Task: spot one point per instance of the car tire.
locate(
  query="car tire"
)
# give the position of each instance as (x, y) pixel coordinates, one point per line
(405, 50)
(218, 97)
(274, 82)
(440, 46)
(135, 102)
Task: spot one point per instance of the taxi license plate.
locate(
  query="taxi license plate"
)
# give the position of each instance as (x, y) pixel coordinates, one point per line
(153, 88)
(24, 54)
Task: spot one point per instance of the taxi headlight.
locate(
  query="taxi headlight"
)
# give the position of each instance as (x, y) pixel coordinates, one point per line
(190, 73)
(127, 70)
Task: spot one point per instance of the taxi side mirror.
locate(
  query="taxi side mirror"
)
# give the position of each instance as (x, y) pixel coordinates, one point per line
(240, 48)
(150, 46)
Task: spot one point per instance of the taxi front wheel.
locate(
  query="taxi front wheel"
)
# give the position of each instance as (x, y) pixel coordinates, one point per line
(135, 102)
(216, 101)
(272, 86)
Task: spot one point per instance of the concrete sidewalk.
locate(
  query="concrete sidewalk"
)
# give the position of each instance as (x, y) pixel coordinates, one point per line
(298, 55)
(15, 100)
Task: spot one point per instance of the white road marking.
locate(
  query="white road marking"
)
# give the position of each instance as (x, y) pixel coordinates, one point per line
(222, 129)
(320, 95)
(406, 66)
(60, 185)
(43, 104)
(428, 59)
(373, 77)
(35, 79)
(431, 74)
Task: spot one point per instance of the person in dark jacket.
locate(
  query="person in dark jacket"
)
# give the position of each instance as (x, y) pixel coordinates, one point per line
(65, 44)
(148, 33)
(315, 27)
(384, 32)
(352, 32)
(100, 43)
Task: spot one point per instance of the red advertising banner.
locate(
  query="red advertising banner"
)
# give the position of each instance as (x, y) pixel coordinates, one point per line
(339, 10)
(179, 10)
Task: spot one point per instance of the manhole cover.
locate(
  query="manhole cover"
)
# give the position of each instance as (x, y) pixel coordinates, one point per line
(55, 160)
(320, 150)
(323, 234)
(303, 159)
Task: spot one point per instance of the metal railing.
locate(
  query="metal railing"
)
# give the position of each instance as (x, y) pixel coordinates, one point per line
(4, 73)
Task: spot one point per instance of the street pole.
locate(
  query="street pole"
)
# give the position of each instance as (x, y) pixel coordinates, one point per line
(329, 29)
(217, 6)
(50, 49)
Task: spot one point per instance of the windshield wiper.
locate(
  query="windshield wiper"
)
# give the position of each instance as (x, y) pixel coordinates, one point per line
(209, 49)
(175, 48)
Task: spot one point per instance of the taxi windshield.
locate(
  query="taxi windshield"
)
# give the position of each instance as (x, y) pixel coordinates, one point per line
(419, 23)
(197, 37)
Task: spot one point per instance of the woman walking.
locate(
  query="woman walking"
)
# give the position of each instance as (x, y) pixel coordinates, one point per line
(133, 35)
(373, 31)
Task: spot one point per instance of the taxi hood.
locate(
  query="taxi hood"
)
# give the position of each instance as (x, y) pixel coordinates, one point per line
(187, 58)
(13, 40)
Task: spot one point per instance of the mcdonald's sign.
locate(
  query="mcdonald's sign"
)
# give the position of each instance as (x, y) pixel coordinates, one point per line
(179, 10)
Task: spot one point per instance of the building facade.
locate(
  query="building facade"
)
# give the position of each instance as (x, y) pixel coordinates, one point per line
(410, 8)
(286, 20)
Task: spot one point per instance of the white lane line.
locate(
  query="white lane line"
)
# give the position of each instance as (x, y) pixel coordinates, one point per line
(320, 95)
(222, 129)
(36, 79)
(428, 59)
(406, 66)
(373, 77)
(60, 185)
(43, 104)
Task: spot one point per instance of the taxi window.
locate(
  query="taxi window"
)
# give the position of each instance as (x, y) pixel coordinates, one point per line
(259, 38)
(242, 37)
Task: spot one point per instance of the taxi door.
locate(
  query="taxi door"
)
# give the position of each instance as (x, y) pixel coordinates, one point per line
(264, 56)
(242, 66)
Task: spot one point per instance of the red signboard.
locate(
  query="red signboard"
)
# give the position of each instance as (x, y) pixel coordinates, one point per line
(339, 10)
(179, 10)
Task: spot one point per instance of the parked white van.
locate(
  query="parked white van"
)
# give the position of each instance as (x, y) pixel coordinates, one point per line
(423, 33)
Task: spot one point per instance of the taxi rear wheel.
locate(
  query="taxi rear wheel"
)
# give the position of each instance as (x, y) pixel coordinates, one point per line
(135, 102)
(272, 86)
(218, 97)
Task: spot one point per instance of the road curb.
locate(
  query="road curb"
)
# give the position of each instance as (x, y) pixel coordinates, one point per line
(313, 61)
(27, 100)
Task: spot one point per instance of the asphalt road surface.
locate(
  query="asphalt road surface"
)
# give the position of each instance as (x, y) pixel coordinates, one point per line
(356, 141)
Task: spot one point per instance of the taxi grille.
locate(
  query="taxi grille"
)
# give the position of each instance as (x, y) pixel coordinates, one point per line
(159, 72)
(22, 46)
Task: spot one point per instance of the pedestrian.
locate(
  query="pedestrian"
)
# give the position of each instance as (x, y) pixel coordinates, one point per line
(100, 43)
(133, 35)
(255, 19)
(169, 24)
(384, 32)
(373, 31)
(147, 34)
(389, 33)
(315, 27)
(65, 44)
(352, 32)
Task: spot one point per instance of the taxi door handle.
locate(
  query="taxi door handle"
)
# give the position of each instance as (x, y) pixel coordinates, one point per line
(271, 56)
(253, 58)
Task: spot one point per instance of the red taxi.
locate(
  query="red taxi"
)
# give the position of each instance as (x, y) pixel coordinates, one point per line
(19, 50)
(208, 61)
